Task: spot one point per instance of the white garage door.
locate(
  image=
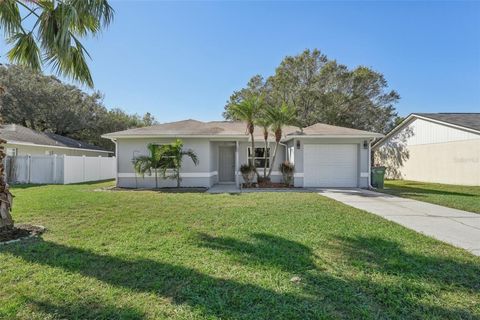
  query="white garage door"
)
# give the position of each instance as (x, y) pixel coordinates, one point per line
(330, 165)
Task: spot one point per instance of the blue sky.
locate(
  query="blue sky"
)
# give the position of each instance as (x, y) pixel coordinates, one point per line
(183, 59)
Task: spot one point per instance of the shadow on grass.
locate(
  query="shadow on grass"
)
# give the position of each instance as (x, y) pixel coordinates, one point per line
(318, 295)
(265, 249)
(93, 310)
(415, 191)
(388, 257)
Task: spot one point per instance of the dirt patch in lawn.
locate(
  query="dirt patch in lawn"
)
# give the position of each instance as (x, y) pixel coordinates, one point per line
(19, 232)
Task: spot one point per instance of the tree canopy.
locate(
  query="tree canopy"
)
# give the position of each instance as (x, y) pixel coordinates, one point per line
(44, 103)
(322, 90)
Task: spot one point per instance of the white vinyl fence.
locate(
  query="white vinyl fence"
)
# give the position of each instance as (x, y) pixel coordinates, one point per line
(53, 169)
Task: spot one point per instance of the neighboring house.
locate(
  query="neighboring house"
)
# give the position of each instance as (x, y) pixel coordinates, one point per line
(324, 155)
(25, 141)
(433, 147)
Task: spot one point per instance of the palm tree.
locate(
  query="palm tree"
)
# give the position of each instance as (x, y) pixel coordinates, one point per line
(49, 32)
(52, 37)
(155, 161)
(279, 117)
(248, 110)
(173, 154)
(264, 123)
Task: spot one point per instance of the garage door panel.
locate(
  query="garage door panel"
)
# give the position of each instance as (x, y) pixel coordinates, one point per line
(330, 165)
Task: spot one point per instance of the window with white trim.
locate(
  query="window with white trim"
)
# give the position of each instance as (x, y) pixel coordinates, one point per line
(11, 152)
(259, 157)
(48, 152)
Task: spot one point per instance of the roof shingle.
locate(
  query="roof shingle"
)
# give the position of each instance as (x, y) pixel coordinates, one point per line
(231, 129)
(17, 133)
(467, 120)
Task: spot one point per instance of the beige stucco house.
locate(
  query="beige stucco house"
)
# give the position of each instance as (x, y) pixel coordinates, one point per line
(23, 141)
(433, 147)
(323, 155)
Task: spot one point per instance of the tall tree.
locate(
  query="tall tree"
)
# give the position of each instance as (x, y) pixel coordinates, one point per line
(49, 32)
(248, 110)
(264, 122)
(322, 90)
(44, 103)
(279, 117)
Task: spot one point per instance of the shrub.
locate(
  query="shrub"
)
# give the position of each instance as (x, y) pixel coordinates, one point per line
(248, 173)
(287, 169)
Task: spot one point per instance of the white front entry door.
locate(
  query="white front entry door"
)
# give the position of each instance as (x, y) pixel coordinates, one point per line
(226, 164)
(330, 165)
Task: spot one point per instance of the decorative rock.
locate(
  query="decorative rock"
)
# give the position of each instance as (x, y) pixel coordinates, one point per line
(295, 279)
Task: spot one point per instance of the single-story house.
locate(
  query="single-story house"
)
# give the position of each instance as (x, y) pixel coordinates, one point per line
(24, 141)
(323, 155)
(433, 147)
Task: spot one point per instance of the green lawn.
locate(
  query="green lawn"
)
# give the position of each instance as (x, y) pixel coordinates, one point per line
(453, 196)
(147, 255)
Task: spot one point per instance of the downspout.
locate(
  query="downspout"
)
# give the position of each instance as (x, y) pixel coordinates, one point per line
(370, 164)
(116, 161)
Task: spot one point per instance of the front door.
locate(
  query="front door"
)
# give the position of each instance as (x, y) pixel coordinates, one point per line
(226, 164)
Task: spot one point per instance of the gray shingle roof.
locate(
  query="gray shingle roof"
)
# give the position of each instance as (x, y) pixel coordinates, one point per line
(467, 120)
(17, 133)
(231, 129)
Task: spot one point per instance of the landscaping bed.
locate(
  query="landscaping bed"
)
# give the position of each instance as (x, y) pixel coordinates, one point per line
(20, 231)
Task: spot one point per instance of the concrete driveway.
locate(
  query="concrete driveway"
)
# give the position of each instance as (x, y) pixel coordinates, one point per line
(457, 227)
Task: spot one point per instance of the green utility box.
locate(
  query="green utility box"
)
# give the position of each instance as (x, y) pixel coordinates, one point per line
(378, 175)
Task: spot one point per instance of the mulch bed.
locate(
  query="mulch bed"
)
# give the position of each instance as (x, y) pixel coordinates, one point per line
(20, 231)
(268, 184)
(164, 190)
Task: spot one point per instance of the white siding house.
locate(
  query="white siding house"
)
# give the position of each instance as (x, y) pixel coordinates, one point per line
(440, 148)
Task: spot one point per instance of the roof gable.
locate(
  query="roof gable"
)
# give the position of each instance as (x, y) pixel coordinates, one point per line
(458, 120)
(466, 120)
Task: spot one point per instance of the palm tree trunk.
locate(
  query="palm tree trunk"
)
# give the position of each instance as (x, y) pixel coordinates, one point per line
(156, 179)
(6, 198)
(265, 156)
(273, 158)
(178, 178)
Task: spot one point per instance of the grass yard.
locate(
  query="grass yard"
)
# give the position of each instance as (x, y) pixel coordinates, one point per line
(147, 255)
(453, 196)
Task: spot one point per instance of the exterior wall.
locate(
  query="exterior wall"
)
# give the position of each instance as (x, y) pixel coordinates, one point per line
(192, 176)
(363, 156)
(431, 152)
(206, 173)
(23, 150)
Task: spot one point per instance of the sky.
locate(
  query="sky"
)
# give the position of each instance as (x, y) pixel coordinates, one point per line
(180, 60)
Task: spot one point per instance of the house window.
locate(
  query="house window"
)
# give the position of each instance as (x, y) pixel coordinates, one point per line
(11, 152)
(259, 157)
(48, 152)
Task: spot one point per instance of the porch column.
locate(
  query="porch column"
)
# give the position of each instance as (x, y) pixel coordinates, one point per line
(237, 166)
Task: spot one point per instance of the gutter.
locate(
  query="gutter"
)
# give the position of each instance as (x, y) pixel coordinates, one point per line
(53, 146)
(370, 164)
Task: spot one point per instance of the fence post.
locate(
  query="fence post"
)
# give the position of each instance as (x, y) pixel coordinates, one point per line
(54, 173)
(99, 168)
(29, 166)
(83, 157)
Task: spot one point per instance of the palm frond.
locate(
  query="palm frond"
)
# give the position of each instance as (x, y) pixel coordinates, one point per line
(10, 18)
(24, 50)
